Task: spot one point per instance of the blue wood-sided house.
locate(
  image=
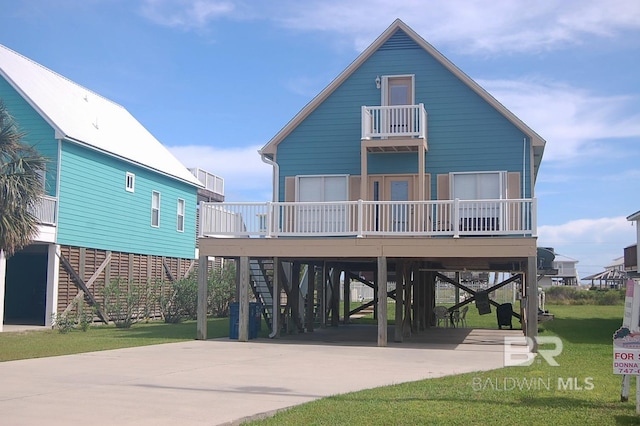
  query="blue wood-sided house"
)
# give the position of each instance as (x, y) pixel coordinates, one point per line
(118, 205)
(402, 170)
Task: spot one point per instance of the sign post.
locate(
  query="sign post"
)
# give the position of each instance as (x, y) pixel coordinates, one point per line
(626, 344)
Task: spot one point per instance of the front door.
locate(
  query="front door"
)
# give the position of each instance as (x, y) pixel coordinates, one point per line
(394, 216)
(399, 93)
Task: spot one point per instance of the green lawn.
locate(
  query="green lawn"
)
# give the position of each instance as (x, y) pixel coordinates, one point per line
(581, 390)
(36, 344)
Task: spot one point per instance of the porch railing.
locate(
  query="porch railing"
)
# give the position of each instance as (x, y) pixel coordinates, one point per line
(453, 218)
(393, 121)
(45, 210)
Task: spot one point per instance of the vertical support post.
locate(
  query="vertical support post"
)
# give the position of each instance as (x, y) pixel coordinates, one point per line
(3, 276)
(275, 298)
(335, 296)
(322, 295)
(399, 303)
(311, 296)
(430, 299)
(364, 178)
(382, 300)
(531, 299)
(53, 275)
(294, 304)
(243, 311)
(201, 315)
(346, 297)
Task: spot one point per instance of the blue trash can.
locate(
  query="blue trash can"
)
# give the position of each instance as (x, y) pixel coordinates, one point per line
(255, 319)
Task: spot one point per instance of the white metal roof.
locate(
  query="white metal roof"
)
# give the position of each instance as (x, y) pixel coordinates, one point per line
(79, 115)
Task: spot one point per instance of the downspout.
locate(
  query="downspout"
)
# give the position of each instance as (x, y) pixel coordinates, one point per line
(276, 175)
(275, 299)
(524, 166)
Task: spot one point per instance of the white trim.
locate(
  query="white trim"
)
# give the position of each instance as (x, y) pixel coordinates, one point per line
(180, 214)
(384, 101)
(154, 208)
(53, 275)
(130, 182)
(3, 276)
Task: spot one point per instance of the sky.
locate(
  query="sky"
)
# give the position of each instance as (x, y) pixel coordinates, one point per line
(215, 80)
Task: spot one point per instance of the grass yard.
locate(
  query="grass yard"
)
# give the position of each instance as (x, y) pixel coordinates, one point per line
(581, 390)
(37, 344)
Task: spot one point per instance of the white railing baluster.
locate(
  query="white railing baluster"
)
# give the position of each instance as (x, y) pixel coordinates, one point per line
(370, 218)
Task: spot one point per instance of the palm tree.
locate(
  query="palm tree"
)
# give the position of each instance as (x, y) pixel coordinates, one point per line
(20, 186)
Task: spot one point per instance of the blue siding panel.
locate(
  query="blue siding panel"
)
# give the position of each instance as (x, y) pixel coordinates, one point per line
(37, 131)
(465, 133)
(97, 212)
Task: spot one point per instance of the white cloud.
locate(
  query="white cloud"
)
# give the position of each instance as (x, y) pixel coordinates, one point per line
(593, 242)
(471, 25)
(568, 118)
(246, 177)
(186, 14)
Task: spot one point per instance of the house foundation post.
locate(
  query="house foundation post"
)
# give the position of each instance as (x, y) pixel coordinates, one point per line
(3, 276)
(399, 301)
(201, 313)
(243, 311)
(531, 300)
(53, 275)
(382, 300)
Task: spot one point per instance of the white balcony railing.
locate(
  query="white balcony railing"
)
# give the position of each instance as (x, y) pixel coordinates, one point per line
(45, 210)
(210, 181)
(370, 218)
(394, 121)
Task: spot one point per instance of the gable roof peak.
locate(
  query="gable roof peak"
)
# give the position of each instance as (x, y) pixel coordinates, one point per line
(537, 142)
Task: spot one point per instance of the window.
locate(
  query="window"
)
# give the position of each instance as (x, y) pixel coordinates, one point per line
(318, 218)
(180, 218)
(155, 209)
(478, 215)
(42, 178)
(130, 182)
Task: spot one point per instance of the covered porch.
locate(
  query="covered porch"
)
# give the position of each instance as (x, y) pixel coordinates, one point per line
(301, 278)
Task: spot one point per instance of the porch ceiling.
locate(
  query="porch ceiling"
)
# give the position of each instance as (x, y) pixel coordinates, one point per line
(436, 253)
(394, 145)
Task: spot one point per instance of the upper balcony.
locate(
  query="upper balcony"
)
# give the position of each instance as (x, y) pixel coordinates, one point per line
(45, 210)
(397, 121)
(446, 218)
(213, 185)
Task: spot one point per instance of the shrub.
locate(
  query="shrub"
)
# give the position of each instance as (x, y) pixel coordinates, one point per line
(182, 302)
(122, 303)
(566, 295)
(222, 290)
(63, 322)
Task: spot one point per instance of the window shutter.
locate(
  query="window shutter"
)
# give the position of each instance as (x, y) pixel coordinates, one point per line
(443, 187)
(290, 188)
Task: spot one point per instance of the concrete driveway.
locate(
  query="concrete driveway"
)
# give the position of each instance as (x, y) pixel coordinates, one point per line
(223, 381)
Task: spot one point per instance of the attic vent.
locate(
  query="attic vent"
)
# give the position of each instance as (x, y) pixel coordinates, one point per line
(399, 40)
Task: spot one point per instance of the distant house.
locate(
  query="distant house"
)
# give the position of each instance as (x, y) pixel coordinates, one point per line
(401, 172)
(631, 254)
(118, 204)
(613, 276)
(565, 272)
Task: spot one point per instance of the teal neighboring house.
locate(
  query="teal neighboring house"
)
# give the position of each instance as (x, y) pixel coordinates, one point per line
(401, 174)
(118, 204)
